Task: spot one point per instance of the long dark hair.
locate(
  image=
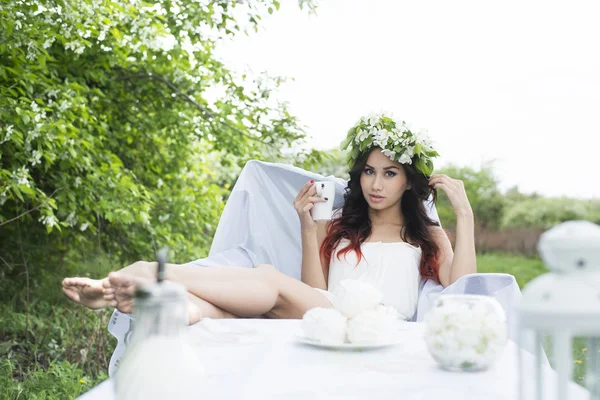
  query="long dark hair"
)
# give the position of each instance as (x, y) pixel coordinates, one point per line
(355, 225)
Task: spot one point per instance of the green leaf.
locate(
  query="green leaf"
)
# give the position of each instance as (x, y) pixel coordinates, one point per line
(365, 144)
(345, 143)
(422, 167)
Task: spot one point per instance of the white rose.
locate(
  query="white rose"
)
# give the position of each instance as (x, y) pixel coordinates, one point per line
(326, 325)
(372, 326)
(356, 296)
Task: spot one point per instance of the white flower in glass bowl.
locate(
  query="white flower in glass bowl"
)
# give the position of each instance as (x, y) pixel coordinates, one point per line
(355, 296)
(466, 332)
(325, 325)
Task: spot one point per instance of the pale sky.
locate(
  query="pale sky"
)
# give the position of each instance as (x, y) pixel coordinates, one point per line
(515, 81)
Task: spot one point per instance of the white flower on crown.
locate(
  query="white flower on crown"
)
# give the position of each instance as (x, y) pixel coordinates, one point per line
(391, 154)
(405, 159)
(361, 136)
(373, 119)
(422, 137)
(381, 138)
(397, 140)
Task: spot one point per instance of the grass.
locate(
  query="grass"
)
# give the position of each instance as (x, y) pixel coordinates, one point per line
(524, 269)
(66, 350)
(64, 354)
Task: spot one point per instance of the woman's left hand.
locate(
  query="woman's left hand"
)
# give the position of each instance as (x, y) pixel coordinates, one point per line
(455, 190)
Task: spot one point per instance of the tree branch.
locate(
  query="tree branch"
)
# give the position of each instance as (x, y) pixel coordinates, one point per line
(30, 211)
(190, 100)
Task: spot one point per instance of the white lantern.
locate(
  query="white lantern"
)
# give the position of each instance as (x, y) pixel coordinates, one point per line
(565, 303)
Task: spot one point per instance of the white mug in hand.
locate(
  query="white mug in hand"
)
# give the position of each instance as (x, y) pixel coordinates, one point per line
(324, 210)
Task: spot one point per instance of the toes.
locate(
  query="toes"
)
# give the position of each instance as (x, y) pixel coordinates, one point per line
(124, 306)
(68, 282)
(116, 279)
(106, 283)
(82, 282)
(71, 295)
(108, 292)
(108, 297)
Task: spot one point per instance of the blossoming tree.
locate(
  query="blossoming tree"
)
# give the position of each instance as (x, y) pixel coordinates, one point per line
(115, 117)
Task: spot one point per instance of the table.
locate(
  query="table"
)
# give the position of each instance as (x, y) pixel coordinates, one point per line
(252, 359)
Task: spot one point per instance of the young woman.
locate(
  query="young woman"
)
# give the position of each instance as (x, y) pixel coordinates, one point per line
(382, 236)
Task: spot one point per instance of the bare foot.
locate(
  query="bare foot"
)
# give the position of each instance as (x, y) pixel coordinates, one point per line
(119, 291)
(85, 291)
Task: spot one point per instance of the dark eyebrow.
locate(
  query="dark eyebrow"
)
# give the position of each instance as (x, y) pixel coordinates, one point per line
(385, 169)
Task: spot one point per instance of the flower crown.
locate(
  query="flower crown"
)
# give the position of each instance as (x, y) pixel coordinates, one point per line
(395, 139)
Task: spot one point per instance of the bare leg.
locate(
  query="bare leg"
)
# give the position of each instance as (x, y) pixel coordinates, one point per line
(119, 290)
(232, 291)
(98, 293)
(249, 292)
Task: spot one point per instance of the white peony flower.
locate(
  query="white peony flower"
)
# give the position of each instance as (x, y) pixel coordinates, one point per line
(326, 325)
(374, 325)
(355, 296)
(405, 159)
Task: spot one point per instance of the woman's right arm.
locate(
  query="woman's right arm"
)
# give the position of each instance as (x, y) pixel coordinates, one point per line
(314, 273)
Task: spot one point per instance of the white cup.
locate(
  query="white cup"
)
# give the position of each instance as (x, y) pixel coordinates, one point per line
(324, 210)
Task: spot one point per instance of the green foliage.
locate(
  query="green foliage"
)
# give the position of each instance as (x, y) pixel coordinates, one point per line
(120, 131)
(547, 212)
(482, 190)
(333, 164)
(64, 353)
(114, 116)
(61, 380)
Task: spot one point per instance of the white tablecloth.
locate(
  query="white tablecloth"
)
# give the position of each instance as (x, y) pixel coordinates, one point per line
(260, 359)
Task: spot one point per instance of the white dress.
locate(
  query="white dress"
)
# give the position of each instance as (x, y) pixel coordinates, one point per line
(393, 268)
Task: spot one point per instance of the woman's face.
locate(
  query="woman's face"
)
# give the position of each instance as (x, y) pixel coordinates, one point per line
(383, 181)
